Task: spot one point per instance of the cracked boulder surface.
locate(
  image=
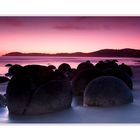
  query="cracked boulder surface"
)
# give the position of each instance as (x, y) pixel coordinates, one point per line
(22, 86)
(53, 96)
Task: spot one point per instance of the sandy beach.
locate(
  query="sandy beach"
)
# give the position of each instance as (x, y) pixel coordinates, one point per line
(79, 114)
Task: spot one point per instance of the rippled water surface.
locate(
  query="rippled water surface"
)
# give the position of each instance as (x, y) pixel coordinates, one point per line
(73, 61)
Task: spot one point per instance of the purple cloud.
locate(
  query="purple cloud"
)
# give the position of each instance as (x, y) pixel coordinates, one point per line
(10, 21)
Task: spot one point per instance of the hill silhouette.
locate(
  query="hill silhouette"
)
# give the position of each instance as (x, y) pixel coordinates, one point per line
(101, 53)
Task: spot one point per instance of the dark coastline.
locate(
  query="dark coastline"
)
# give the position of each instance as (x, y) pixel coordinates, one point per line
(101, 53)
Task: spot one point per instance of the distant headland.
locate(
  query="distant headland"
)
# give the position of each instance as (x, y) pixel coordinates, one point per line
(127, 52)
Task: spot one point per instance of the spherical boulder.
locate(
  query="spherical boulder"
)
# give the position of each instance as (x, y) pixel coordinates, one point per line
(107, 91)
(81, 79)
(22, 86)
(121, 75)
(85, 65)
(19, 91)
(53, 96)
(64, 67)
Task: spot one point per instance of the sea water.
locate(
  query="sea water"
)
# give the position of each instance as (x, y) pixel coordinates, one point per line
(73, 61)
(77, 113)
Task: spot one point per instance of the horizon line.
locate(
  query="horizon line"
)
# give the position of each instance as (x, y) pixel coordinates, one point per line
(63, 52)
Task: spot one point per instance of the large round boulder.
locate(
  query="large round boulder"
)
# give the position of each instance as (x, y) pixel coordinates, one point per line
(19, 91)
(107, 91)
(53, 96)
(121, 75)
(64, 67)
(81, 79)
(22, 86)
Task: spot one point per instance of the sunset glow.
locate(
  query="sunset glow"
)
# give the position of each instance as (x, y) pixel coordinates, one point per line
(68, 34)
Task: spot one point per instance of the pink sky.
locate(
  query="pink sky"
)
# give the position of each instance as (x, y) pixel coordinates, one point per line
(68, 34)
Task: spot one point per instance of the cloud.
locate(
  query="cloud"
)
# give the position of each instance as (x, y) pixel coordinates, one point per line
(83, 23)
(68, 27)
(10, 21)
(82, 27)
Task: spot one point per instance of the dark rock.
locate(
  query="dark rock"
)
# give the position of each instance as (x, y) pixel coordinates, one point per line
(19, 92)
(80, 81)
(38, 73)
(52, 67)
(85, 65)
(14, 69)
(64, 67)
(50, 97)
(3, 79)
(22, 86)
(8, 65)
(107, 91)
(102, 65)
(58, 75)
(126, 69)
(121, 75)
(71, 73)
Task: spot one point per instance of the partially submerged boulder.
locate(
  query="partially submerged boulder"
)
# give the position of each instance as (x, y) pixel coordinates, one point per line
(19, 91)
(22, 86)
(50, 97)
(107, 91)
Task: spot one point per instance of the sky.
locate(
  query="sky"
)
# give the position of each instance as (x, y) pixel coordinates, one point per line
(68, 34)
